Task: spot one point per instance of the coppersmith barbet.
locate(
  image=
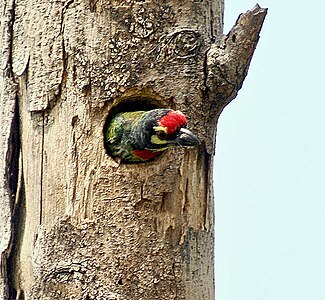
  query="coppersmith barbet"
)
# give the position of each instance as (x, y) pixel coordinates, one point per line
(139, 136)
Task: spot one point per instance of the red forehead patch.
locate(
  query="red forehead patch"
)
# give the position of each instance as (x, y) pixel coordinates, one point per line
(173, 121)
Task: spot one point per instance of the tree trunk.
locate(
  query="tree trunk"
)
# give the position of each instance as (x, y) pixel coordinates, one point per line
(77, 225)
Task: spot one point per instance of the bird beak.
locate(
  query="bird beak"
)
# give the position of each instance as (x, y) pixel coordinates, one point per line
(186, 138)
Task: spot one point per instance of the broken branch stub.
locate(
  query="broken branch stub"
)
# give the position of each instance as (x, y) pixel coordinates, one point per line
(228, 61)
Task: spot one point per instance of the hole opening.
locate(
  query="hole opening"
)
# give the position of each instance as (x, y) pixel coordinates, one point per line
(136, 102)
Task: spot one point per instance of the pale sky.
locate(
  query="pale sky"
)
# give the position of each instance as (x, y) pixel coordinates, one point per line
(270, 165)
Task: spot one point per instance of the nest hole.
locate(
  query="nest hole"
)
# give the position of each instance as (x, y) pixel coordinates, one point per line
(132, 103)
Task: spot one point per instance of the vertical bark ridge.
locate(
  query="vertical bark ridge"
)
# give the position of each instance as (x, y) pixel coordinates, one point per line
(41, 170)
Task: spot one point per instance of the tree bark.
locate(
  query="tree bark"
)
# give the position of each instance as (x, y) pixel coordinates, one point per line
(76, 225)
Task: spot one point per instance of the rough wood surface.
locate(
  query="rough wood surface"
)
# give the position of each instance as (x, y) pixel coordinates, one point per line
(85, 227)
(8, 150)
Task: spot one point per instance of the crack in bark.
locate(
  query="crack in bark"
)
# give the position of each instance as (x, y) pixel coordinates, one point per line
(11, 146)
(75, 159)
(212, 25)
(64, 9)
(14, 182)
(207, 163)
(10, 35)
(186, 203)
(205, 92)
(18, 228)
(12, 158)
(42, 170)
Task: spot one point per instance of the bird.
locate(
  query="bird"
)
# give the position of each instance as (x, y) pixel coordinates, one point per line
(141, 136)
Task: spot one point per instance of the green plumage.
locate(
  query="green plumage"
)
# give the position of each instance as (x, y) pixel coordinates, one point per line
(138, 136)
(119, 135)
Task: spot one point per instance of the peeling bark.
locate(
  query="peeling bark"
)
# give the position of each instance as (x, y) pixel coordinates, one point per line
(77, 225)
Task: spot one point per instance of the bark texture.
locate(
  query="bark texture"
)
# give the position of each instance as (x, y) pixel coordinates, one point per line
(9, 148)
(76, 224)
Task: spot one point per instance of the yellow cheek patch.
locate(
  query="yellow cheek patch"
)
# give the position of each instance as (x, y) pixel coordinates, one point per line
(160, 128)
(155, 140)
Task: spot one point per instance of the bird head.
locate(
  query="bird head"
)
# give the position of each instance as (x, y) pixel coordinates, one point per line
(164, 128)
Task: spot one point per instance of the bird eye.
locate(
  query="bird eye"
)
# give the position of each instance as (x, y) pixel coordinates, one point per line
(162, 135)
